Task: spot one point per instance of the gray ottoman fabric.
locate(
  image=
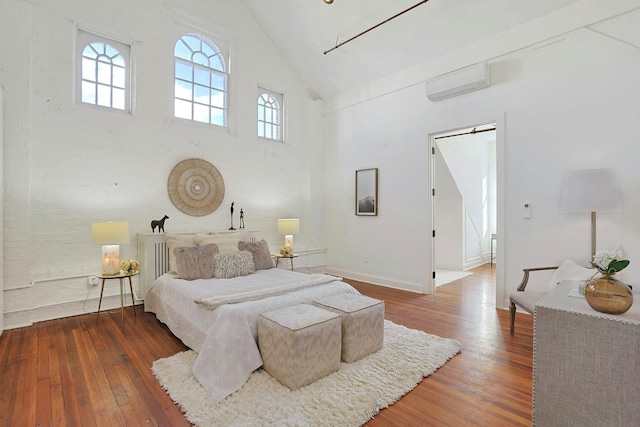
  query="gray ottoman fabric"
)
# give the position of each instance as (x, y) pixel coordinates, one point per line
(362, 323)
(299, 344)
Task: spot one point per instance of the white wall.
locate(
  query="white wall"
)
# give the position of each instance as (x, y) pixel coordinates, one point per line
(566, 100)
(448, 217)
(569, 102)
(66, 166)
(1, 216)
(471, 160)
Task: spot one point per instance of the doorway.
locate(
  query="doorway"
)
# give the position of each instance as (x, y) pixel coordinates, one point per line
(467, 193)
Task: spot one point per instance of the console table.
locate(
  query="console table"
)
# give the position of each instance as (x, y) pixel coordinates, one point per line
(585, 363)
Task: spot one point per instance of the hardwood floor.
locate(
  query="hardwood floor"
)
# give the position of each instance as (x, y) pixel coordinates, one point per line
(72, 371)
(489, 382)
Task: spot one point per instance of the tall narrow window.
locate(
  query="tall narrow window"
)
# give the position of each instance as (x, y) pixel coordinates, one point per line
(104, 76)
(200, 81)
(269, 114)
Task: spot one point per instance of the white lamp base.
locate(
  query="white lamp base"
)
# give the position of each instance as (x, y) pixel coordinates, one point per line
(288, 241)
(111, 260)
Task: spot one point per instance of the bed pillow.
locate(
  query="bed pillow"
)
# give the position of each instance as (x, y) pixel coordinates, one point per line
(260, 251)
(173, 241)
(228, 266)
(227, 242)
(196, 262)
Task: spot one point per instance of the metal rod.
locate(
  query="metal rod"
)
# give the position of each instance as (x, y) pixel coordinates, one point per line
(593, 235)
(375, 26)
(471, 132)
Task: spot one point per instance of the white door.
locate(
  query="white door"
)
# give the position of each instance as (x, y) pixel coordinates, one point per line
(1, 222)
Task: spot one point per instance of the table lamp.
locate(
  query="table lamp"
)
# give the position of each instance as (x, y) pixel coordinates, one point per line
(288, 227)
(110, 234)
(591, 190)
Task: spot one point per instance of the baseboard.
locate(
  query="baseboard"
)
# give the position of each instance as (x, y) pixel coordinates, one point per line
(475, 262)
(28, 316)
(377, 280)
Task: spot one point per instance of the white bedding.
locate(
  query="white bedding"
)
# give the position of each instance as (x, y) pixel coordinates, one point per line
(226, 337)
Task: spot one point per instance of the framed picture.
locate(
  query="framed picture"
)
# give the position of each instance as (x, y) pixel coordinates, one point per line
(367, 192)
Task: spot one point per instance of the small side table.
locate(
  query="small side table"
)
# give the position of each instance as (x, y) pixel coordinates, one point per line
(121, 278)
(289, 257)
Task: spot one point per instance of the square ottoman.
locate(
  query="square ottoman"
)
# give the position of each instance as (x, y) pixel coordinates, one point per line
(299, 344)
(362, 323)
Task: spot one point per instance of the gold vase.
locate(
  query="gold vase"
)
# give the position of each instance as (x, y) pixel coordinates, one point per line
(607, 294)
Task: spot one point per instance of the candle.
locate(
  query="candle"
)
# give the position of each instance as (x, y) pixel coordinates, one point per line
(111, 260)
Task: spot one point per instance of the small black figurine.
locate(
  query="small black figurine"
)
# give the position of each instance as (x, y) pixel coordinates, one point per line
(241, 218)
(231, 228)
(158, 223)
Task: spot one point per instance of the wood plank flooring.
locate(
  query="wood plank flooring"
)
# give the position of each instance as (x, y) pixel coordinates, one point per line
(72, 372)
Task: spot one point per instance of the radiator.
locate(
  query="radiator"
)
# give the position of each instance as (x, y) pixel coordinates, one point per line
(161, 259)
(153, 254)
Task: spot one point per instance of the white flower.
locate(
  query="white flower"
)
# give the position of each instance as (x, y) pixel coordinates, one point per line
(286, 251)
(130, 266)
(603, 258)
(609, 261)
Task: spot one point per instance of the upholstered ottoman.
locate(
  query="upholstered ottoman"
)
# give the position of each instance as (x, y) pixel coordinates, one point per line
(362, 323)
(299, 344)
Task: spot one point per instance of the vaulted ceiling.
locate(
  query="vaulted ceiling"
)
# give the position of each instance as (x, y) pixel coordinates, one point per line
(304, 29)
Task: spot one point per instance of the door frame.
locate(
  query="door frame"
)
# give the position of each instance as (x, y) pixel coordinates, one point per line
(465, 123)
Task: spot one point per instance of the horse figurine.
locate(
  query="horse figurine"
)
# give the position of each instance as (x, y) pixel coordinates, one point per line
(158, 223)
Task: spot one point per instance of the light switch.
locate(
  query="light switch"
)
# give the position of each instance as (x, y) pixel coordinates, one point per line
(527, 210)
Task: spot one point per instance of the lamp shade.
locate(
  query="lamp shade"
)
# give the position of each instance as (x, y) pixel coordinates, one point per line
(110, 232)
(289, 226)
(591, 190)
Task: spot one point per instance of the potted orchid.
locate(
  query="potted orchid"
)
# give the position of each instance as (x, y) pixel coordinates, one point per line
(605, 293)
(609, 262)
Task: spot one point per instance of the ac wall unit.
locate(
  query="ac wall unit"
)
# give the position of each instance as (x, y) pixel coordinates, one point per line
(461, 81)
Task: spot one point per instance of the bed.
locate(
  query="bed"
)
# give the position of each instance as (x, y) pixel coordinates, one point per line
(218, 317)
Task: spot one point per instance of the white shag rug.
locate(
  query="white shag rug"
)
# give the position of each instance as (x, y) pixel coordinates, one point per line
(349, 397)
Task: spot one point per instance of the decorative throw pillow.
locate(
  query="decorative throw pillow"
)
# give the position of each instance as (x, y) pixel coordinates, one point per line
(260, 251)
(227, 242)
(196, 262)
(173, 241)
(228, 266)
(569, 270)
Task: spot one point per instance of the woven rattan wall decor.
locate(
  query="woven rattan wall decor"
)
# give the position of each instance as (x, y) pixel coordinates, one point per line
(195, 187)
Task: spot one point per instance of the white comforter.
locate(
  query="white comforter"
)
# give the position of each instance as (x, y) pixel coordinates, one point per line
(226, 337)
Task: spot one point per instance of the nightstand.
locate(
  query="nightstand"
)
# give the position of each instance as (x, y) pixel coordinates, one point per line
(289, 257)
(121, 278)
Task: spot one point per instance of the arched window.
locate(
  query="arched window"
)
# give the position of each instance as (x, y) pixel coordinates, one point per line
(104, 79)
(200, 81)
(269, 114)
